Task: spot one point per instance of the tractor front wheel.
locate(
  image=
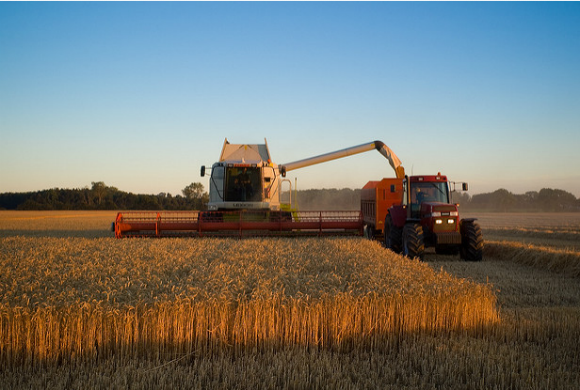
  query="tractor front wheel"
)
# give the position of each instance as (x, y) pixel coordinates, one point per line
(471, 241)
(413, 241)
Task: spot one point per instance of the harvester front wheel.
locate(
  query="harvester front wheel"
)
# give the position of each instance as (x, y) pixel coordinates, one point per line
(471, 241)
(413, 241)
(393, 235)
(281, 216)
(369, 232)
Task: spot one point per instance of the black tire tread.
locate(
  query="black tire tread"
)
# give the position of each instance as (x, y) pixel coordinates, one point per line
(413, 241)
(393, 235)
(471, 241)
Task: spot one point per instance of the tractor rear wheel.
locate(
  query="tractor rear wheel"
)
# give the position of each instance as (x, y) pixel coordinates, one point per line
(393, 235)
(413, 241)
(471, 241)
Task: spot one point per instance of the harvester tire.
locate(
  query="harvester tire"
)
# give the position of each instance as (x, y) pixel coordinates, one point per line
(393, 235)
(413, 241)
(471, 241)
(369, 232)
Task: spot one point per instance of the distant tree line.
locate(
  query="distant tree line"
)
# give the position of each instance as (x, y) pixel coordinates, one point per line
(193, 197)
(103, 197)
(502, 200)
(547, 200)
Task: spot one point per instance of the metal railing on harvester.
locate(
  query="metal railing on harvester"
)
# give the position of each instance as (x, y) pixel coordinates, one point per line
(237, 223)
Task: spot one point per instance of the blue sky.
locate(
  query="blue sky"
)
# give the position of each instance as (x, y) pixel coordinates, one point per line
(140, 95)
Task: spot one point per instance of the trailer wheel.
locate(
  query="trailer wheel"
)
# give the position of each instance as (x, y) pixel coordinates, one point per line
(413, 241)
(471, 241)
(393, 235)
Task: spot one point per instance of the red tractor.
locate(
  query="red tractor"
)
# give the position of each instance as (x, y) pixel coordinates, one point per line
(427, 218)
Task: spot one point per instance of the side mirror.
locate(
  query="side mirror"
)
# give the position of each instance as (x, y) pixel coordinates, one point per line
(202, 171)
(464, 186)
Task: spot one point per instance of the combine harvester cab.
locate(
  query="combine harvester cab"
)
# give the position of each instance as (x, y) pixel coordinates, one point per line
(244, 178)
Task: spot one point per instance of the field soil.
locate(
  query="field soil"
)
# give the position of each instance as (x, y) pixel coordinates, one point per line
(518, 285)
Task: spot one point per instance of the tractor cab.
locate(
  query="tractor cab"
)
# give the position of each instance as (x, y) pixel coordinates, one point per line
(427, 218)
(421, 191)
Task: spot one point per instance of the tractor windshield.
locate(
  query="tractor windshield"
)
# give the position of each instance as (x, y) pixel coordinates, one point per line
(428, 192)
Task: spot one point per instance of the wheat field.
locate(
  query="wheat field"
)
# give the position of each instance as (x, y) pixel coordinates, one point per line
(80, 309)
(542, 240)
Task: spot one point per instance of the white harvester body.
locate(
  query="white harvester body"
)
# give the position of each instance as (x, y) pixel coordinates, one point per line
(245, 178)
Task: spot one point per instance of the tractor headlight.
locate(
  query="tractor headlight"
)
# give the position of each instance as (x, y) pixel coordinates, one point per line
(438, 222)
(450, 221)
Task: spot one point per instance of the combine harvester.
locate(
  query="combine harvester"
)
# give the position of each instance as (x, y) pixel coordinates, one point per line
(244, 200)
(407, 213)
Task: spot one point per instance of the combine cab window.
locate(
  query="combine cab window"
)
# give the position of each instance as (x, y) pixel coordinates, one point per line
(243, 184)
(216, 183)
